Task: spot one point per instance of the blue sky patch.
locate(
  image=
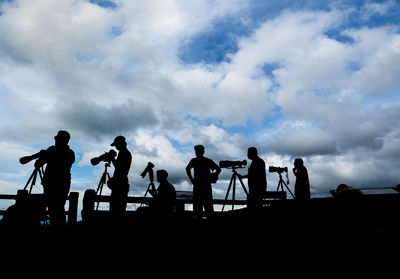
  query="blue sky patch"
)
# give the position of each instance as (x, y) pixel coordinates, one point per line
(104, 3)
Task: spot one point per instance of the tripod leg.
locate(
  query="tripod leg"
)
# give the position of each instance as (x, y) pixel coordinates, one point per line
(145, 194)
(100, 188)
(244, 188)
(33, 180)
(233, 192)
(29, 180)
(287, 188)
(227, 193)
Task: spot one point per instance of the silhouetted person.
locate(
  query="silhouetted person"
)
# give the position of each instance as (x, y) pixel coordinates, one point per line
(257, 179)
(119, 183)
(302, 185)
(204, 170)
(345, 192)
(25, 214)
(57, 176)
(164, 198)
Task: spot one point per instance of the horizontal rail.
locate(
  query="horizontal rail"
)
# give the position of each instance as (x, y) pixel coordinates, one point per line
(72, 205)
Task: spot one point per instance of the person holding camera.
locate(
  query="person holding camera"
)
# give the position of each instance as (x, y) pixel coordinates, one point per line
(257, 179)
(302, 185)
(205, 172)
(57, 175)
(119, 183)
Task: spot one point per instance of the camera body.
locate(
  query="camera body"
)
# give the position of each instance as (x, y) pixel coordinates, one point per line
(278, 169)
(232, 164)
(148, 170)
(106, 157)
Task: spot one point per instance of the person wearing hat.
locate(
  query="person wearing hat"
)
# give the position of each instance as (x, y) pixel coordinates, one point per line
(57, 176)
(119, 183)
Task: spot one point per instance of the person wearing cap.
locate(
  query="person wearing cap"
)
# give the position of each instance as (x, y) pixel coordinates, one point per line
(57, 176)
(119, 183)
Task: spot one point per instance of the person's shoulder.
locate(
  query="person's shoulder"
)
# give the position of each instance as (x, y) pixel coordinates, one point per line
(260, 160)
(170, 186)
(209, 160)
(125, 152)
(51, 148)
(70, 150)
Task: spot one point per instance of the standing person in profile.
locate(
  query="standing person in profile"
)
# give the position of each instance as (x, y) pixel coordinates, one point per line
(257, 179)
(204, 171)
(302, 185)
(119, 183)
(57, 176)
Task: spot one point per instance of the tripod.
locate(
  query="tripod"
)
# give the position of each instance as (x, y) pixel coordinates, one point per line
(233, 182)
(151, 184)
(103, 180)
(281, 183)
(32, 178)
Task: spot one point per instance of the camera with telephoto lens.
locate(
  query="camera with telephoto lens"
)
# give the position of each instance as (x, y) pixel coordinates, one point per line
(232, 164)
(106, 157)
(148, 170)
(278, 169)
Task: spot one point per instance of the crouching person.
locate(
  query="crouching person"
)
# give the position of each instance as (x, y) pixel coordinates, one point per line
(164, 198)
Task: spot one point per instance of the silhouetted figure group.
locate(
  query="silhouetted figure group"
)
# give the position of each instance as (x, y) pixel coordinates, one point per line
(201, 171)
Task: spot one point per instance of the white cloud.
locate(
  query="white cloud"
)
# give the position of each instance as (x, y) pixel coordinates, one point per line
(77, 66)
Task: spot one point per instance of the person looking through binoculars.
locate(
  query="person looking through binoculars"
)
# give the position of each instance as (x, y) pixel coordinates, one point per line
(206, 172)
(257, 179)
(57, 175)
(119, 183)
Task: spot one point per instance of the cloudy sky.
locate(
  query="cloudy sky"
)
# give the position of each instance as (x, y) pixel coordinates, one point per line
(313, 79)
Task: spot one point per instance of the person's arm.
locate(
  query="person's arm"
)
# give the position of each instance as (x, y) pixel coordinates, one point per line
(217, 169)
(43, 158)
(153, 192)
(189, 171)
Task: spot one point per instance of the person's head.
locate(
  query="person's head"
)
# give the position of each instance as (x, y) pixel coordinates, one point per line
(119, 142)
(62, 138)
(199, 150)
(252, 153)
(162, 175)
(298, 162)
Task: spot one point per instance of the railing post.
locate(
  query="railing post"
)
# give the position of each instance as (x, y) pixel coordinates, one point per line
(73, 208)
(89, 199)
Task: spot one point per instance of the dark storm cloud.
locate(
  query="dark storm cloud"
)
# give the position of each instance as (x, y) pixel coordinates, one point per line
(97, 120)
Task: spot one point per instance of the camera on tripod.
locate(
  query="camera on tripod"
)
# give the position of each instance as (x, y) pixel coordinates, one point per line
(232, 164)
(278, 169)
(26, 159)
(151, 188)
(106, 157)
